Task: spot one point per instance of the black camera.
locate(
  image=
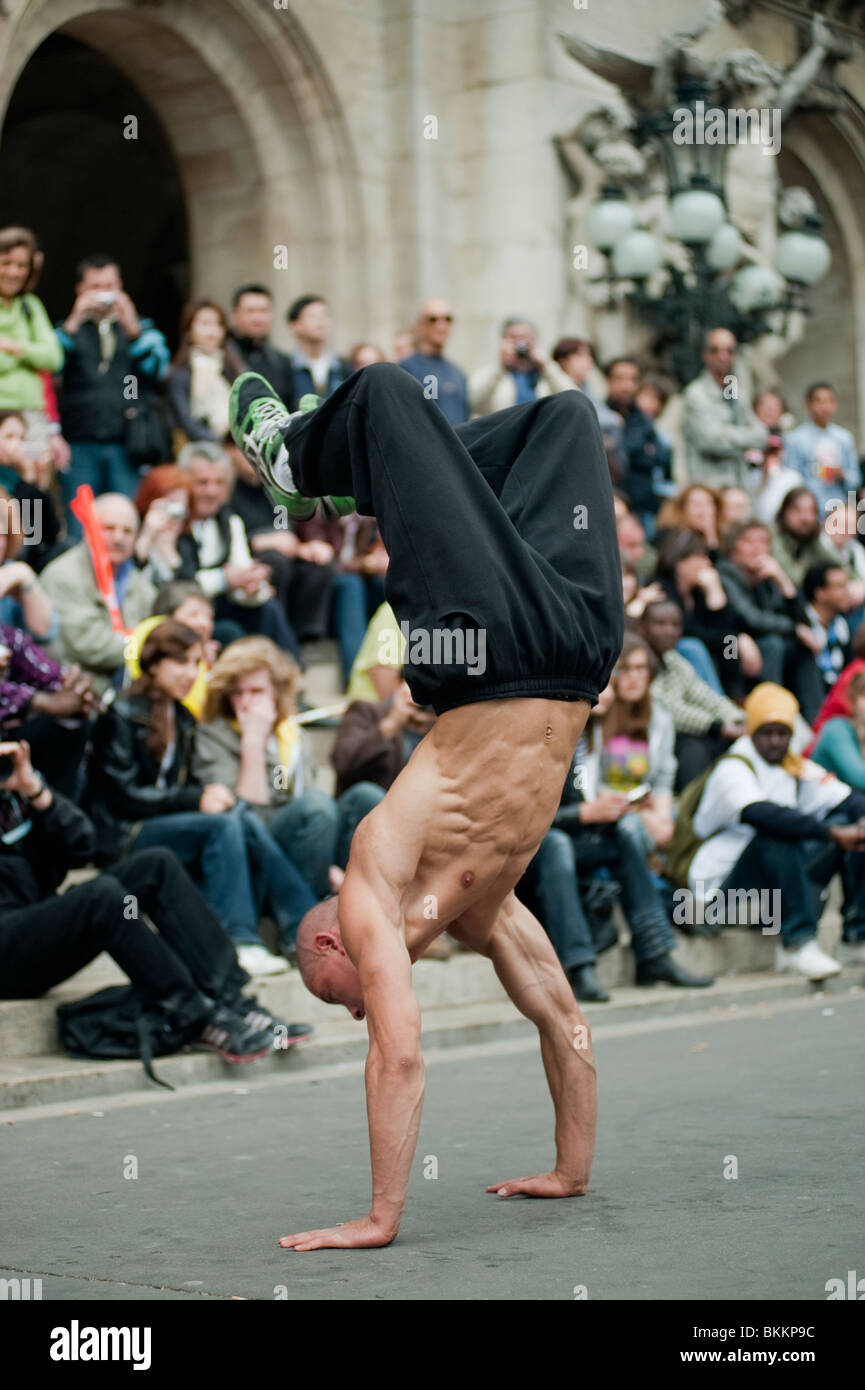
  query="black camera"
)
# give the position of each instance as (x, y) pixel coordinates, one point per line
(7, 767)
(522, 350)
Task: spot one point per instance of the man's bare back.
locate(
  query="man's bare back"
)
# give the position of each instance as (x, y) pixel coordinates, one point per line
(467, 813)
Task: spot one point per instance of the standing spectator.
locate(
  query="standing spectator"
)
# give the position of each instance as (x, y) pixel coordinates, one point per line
(29, 347)
(214, 551)
(705, 721)
(24, 602)
(443, 382)
(523, 372)
(316, 368)
(719, 427)
(199, 383)
(105, 343)
(646, 456)
(771, 410)
(363, 355)
(822, 452)
(86, 632)
(820, 660)
(40, 529)
(251, 323)
(403, 344)
(797, 540)
(576, 357)
(761, 594)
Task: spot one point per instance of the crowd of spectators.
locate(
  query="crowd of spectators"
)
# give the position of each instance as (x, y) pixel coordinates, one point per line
(155, 608)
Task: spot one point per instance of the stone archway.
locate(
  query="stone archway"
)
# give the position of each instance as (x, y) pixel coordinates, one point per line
(262, 152)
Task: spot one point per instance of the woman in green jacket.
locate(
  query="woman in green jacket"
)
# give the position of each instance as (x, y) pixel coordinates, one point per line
(29, 347)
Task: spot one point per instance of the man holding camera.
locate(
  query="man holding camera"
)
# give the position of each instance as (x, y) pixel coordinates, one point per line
(106, 344)
(523, 373)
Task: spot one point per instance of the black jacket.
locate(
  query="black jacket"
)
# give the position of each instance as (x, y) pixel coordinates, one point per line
(121, 788)
(61, 838)
(647, 456)
(92, 402)
(258, 355)
(187, 546)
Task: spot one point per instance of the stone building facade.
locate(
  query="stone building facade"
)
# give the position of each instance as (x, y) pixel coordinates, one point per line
(377, 151)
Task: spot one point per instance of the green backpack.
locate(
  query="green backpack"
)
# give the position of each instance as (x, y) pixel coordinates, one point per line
(685, 842)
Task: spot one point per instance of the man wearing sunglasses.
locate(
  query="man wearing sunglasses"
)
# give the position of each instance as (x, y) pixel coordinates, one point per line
(443, 382)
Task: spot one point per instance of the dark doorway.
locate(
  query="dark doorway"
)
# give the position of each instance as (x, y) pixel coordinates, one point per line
(68, 173)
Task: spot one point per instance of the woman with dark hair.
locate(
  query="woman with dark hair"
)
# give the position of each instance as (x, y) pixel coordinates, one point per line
(797, 540)
(202, 371)
(690, 580)
(29, 347)
(141, 794)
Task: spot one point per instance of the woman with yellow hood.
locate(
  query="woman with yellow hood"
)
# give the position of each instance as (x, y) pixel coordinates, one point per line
(773, 822)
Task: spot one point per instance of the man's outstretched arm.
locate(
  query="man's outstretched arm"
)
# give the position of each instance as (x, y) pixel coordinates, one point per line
(529, 969)
(394, 1069)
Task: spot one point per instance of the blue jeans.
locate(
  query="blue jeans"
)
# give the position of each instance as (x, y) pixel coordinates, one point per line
(221, 852)
(354, 597)
(552, 877)
(315, 831)
(106, 467)
(624, 847)
(695, 651)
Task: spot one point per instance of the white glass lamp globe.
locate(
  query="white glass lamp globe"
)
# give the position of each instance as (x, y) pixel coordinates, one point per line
(608, 221)
(637, 255)
(802, 257)
(755, 287)
(725, 249)
(695, 215)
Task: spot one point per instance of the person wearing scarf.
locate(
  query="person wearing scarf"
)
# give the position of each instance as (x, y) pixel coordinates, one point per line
(773, 821)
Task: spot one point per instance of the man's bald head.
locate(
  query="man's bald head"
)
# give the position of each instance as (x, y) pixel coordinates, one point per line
(325, 967)
(118, 521)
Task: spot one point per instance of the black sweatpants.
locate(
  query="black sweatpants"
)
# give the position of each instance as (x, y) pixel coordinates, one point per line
(501, 530)
(42, 944)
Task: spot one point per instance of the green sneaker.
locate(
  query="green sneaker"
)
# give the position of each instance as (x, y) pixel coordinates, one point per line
(258, 421)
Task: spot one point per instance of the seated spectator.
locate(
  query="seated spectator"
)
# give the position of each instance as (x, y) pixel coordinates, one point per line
(304, 563)
(364, 354)
(377, 669)
(646, 454)
(734, 506)
(106, 344)
(705, 721)
(40, 529)
(821, 452)
(44, 706)
(637, 598)
(214, 551)
(24, 601)
(776, 481)
(187, 968)
(840, 545)
(761, 594)
(825, 639)
(203, 368)
(142, 793)
(576, 357)
(768, 819)
(523, 372)
(796, 542)
(186, 603)
(250, 742)
(87, 636)
(771, 410)
(690, 580)
(627, 745)
(443, 381)
(162, 503)
(316, 368)
(840, 746)
(696, 508)
(251, 325)
(403, 344)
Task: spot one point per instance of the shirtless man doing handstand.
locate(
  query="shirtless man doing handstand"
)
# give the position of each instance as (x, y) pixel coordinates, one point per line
(502, 531)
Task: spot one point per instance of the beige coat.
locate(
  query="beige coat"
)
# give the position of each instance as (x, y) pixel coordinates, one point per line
(86, 634)
(493, 388)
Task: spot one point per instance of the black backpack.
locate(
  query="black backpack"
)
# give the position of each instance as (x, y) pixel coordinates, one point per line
(118, 1022)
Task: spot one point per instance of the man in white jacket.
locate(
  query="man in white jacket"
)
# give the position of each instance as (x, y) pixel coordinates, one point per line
(774, 823)
(523, 372)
